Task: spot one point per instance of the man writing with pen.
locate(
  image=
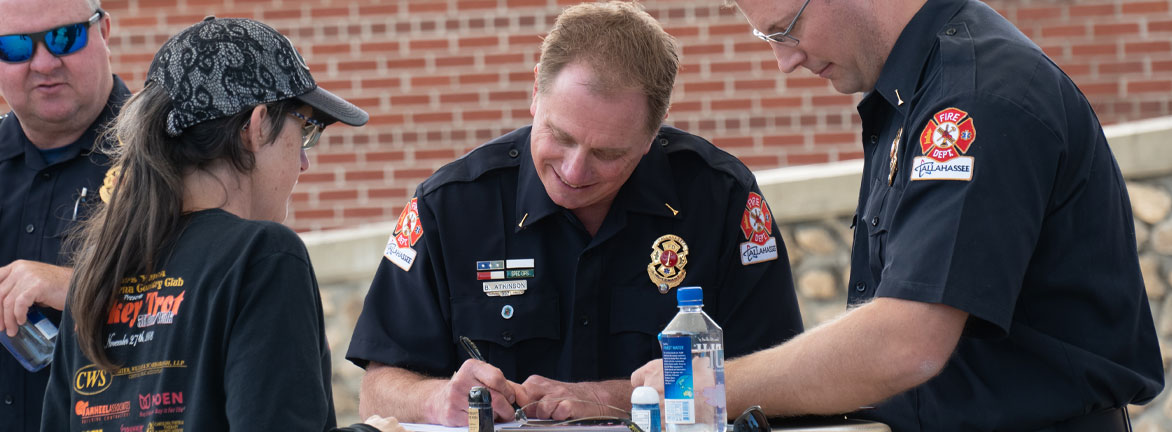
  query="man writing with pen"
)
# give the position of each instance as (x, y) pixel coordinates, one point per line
(557, 247)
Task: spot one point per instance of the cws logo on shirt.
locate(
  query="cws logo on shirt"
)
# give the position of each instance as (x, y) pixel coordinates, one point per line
(91, 380)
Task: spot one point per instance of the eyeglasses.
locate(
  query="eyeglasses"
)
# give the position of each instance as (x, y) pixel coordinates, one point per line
(60, 41)
(783, 37)
(310, 131)
(752, 420)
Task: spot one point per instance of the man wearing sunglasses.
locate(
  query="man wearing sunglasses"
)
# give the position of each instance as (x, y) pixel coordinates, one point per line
(55, 75)
(994, 279)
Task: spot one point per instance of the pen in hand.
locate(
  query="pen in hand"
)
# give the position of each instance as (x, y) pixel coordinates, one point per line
(470, 348)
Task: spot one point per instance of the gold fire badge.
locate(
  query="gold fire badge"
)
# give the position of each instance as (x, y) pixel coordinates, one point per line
(669, 255)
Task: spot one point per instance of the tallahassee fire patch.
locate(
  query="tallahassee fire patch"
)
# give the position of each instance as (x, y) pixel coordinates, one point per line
(407, 232)
(757, 225)
(944, 141)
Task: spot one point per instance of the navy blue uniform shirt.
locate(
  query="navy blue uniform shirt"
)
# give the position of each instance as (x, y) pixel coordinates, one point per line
(585, 308)
(1006, 203)
(36, 211)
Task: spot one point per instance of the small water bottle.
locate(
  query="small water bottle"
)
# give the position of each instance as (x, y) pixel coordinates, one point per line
(480, 410)
(645, 408)
(693, 368)
(33, 344)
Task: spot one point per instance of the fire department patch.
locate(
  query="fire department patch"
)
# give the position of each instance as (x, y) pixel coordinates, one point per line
(757, 221)
(409, 229)
(945, 139)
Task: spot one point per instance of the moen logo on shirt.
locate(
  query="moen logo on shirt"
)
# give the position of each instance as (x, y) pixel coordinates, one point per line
(91, 380)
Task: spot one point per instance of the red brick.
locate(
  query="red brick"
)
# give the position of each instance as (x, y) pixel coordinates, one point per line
(475, 4)
(299, 197)
(755, 84)
(835, 100)
(729, 29)
(406, 63)
(482, 115)
(1106, 88)
(474, 42)
(326, 12)
(380, 83)
(682, 32)
(1121, 67)
(732, 104)
(360, 175)
(782, 102)
(835, 138)
(1153, 47)
(758, 47)
(806, 158)
(410, 99)
(314, 214)
(380, 46)
(1093, 49)
(357, 65)
(184, 20)
(733, 142)
(479, 78)
(704, 86)
(760, 162)
(340, 48)
(784, 140)
(407, 174)
(442, 154)
(1162, 66)
(1149, 86)
(1076, 69)
(386, 119)
(1039, 13)
(276, 14)
(138, 21)
(730, 67)
(430, 81)
(1116, 29)
(686, 106)
(459, 98)
(316, 177)
(497, 59)
(455, 61)
(1064, 31)
(428, 6)
(432, 117)
(503, 96)
(385, 156)
(527, 40)
(428, 44)
(1145, 7)
(1160, 26)
(703, 49)
(1103, 10)
(525, 3)
(336, 158)
(347, 194)
(372, 10)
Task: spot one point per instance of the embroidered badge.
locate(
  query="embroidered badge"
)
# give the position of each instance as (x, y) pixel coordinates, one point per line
(945, 139)
(757, 221)
(407, 231)
(669, 255)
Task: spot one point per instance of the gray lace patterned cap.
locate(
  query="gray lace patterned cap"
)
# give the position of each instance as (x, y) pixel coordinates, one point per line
(223, 66)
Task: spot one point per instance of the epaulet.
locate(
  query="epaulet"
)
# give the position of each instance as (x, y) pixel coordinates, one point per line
(502, 152)
(677, 143)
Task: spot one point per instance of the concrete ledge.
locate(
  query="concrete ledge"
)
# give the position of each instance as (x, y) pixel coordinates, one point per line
(1142, 148)
(348, 254)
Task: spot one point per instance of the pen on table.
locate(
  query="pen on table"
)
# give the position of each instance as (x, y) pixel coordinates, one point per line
(470, 348)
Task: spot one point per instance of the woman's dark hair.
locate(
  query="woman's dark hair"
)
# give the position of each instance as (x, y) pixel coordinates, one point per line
(127, 235)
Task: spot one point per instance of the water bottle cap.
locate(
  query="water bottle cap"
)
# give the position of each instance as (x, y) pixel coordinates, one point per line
(689, 296)
(645, 395)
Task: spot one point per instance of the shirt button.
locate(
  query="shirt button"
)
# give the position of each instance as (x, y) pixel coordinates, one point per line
(874, 138)
(8, 400)
(663, 142)
(507, 336)
(585, 320)
(875, 221)
(861, 286)
(30, 228)
(950, 32)
(514, 153)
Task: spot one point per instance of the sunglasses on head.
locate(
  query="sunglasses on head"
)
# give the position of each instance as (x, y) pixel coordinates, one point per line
(64, 40)
(752, 420)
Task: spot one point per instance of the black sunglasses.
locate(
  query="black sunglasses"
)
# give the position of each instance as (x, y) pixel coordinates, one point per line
(752, 420)
(64, 40)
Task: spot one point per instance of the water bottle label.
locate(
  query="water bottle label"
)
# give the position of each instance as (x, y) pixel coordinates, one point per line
(46, 327)
(642, 418)
(679, 402)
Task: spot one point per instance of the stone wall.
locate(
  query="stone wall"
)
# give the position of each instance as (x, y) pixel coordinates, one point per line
(813, 206)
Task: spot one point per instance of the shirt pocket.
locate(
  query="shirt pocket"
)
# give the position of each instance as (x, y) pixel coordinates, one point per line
(877, 223)
(637, 315)
(533, 324)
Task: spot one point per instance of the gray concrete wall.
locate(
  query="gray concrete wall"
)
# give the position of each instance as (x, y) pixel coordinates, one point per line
(813, 206)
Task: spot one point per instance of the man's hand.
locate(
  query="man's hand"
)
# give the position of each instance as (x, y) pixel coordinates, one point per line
(387, 424)
(561, 401)
(449, 406)
(24, 283)
(650, 374)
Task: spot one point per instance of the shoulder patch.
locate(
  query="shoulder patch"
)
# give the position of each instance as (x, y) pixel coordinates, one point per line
(408, 231)
(757, 225)
(946, 138)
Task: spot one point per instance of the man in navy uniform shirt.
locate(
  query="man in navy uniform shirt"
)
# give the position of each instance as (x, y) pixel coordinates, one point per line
(557, 247)
(61, 96)
(994, 277)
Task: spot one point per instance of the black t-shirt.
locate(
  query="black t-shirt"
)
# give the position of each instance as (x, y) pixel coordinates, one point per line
(483, 252)
(40, 202)
(1006, 203)
(228, 334)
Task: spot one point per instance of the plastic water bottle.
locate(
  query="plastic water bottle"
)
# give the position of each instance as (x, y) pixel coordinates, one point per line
(645, 409)
(693, 368)
(33, 344)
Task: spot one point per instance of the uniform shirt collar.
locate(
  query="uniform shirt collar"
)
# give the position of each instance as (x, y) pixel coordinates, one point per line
(647, 191)
(900, 78)
(13, 141)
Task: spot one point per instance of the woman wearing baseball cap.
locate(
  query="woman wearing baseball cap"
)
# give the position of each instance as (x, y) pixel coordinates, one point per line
(191, 306)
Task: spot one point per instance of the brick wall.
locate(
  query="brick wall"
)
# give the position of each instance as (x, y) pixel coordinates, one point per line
(441, 76)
